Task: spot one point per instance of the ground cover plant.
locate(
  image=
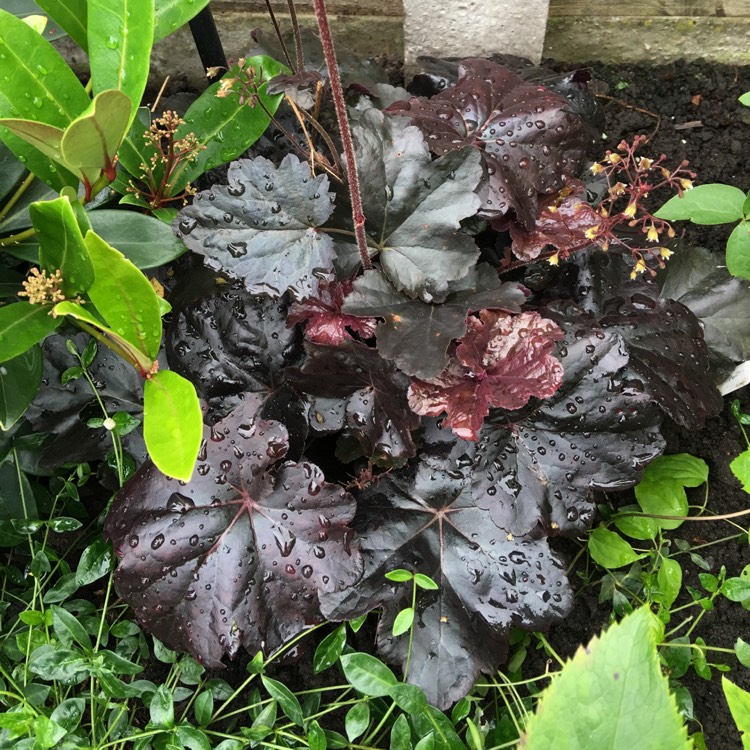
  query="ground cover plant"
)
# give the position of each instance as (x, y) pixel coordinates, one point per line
(424, 333)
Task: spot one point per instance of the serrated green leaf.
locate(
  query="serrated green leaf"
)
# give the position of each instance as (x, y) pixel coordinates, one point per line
(20, 379)
(172, 423)
(120, 36)
(739, 706)
(740, 467)
(172, 14)
(286, 699)
(357, 720)
(61, 245)
(330, 649)
(614, 677)
(368, 674)
(90, 142)
(610, 550)
(21, 326)
(738, 251)
(124, 297)
(705, 204)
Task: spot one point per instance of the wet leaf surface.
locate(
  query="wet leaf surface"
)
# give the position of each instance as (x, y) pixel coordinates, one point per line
(261, 227)
(425, 518)
(239, 555)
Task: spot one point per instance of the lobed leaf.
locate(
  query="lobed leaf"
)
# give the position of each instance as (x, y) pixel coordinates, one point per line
(262, 227)
(248, 539)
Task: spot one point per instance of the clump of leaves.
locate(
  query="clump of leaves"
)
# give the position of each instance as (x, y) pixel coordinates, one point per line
(478, 397)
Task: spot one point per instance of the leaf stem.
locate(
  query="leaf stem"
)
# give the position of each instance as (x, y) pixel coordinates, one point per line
(297, 36)
(279, 35)
(337, 93)
(22, 188)
(15, 239)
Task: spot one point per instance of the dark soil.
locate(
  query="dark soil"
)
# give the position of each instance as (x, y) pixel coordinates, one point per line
(691, 112)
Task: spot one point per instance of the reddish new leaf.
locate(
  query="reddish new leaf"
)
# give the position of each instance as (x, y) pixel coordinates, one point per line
(326, 324)
(529, 140)
(503, 361)
(238, 555)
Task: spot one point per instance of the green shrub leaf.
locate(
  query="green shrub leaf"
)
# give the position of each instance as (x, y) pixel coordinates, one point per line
(614, 678)
(20, 378)
(705, 204)
(357, 720)
(610, 550)
(330, 649)
(286, 699)
(172, 423)
(368, 674)
(171, 14)
(738, 251)
(21, 326)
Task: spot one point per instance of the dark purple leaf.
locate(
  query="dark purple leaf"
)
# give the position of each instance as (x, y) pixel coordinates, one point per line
(425, 518)
(301, 88)
(326, 324)
(239, 555)
(414, 205)
(376, 414)
(261, 227)
(63, 410)
(231, 343)
(598, 431)
(528, 139)
(503, 361)
(415, 334)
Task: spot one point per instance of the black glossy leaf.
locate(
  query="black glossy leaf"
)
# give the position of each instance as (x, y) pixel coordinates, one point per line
(231, 343)
(414, 205)
(528, 139)
(416, 334)
(376, 412)
(598, 431)
(664, 339)
(261, 227)
(238, 555)
(63, 410)
(425, 518)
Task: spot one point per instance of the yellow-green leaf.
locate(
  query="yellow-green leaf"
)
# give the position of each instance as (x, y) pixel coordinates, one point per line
(21, 326)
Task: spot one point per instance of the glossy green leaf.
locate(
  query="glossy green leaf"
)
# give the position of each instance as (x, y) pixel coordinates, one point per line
(682, 468)
(21, 326)
(225, 126)
(120, 37)
(143, 240)
(610, 550)
(408, 698)
(316, 737)
(404, 620)
(399, 575)
(357, 720)
(615, 678)
(124, 297)
(745, 99)
(705, 204)
(669, 581)
(401, 734)
(68, 713)
(330, 649)
(91, 141)
(742, 652)
(161, 708)
(38, 85)
(739, 706)
(738, 251)
(172, 14)
(96, 562)
(61, 245)
(20, 379)
(71, 15)
(69, 630)
(368, 674)
(204, 707)
(46, 138)
(286, 699)
(172, 423)
(46, 732)
(637, 527)
(740, 467)
(425, 582)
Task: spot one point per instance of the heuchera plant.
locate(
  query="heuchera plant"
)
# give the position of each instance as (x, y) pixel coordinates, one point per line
(500, 353)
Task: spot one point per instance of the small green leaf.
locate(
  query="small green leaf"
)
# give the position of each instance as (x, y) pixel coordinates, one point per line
(737, 589)
(69, 713)
(316, 737)
(161, 708)
(172, 423)
(191, 738)
(401, 734)
(124, 297)
(739, 705)
(143, 240)
(637, 527)
(47, 733)
(738, 251)
(96, 561)
(61, 244)
(610, 550)
(425, 582)
(330, 649)
(705, 204)
(20, 379)
(399, 575)
(21, 326)
(409, 698)
(682, 468)
(204, 707)
(357, 720)
(403, 621)
(172, 14)
(368, 674)
(745, 99)
(56, 663)
(69, 630)
(615, 677)
(120, 36)
(740, 467)
(286, 699)
(669, 580)
(357, 623)
(742, 651)
(91, 141)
